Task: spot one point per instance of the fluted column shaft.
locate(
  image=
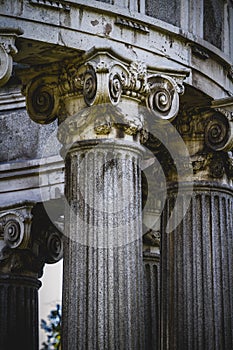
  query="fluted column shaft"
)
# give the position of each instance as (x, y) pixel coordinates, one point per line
(103, 270)
(18, 312)
(152, 299)
(197, 277)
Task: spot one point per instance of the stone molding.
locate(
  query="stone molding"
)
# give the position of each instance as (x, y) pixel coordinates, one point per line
(12, 100)
(7, 51)
(32, 180)
(59, 5)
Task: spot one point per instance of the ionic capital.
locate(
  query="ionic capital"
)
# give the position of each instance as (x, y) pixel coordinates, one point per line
(208, 134)
(25, 245)
(100, 78)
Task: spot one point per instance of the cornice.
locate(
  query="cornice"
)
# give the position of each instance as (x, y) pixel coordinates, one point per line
(12, 100)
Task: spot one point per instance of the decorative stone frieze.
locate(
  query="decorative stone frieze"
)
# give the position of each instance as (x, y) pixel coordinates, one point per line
(125, 22)
(59, 5)
(7, 51)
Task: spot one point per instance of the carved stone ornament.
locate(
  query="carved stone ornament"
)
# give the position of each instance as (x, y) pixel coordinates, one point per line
(163, 99)
(53, 247)
(101, 120)
(219, 133)
(15, 229)
(100, 79)
(7, 50)
(42, 99)
(152, 238)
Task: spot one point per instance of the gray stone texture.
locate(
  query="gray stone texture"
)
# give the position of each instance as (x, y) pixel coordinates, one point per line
(197, 279)
(168, 11)
(152, 300)
(103, 305)
(213, 22)
(21, 138)
(19, 312)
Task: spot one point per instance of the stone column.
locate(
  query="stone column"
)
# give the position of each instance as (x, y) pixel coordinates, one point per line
(98, 100)
(151, 260)
(197, 256)
(22, 256)
(103, 276)
(151, 256)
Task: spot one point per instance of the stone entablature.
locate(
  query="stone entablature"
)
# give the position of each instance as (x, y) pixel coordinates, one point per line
(78, 29)
(34, 180)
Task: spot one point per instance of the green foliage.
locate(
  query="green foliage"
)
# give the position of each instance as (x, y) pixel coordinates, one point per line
(53, 330)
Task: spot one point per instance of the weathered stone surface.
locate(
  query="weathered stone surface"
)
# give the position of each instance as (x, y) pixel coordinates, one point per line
(103, 271)
(214, 22)
(168, 11)
(151, 263)
(197, 273)
(66, 75)
(27, 241)
(19, 312)
(21, 138)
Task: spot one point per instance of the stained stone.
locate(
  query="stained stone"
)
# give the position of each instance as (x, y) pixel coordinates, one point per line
(197, 279)
(103, 284)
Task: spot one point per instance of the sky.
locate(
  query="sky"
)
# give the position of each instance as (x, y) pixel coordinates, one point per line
(50, 294)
